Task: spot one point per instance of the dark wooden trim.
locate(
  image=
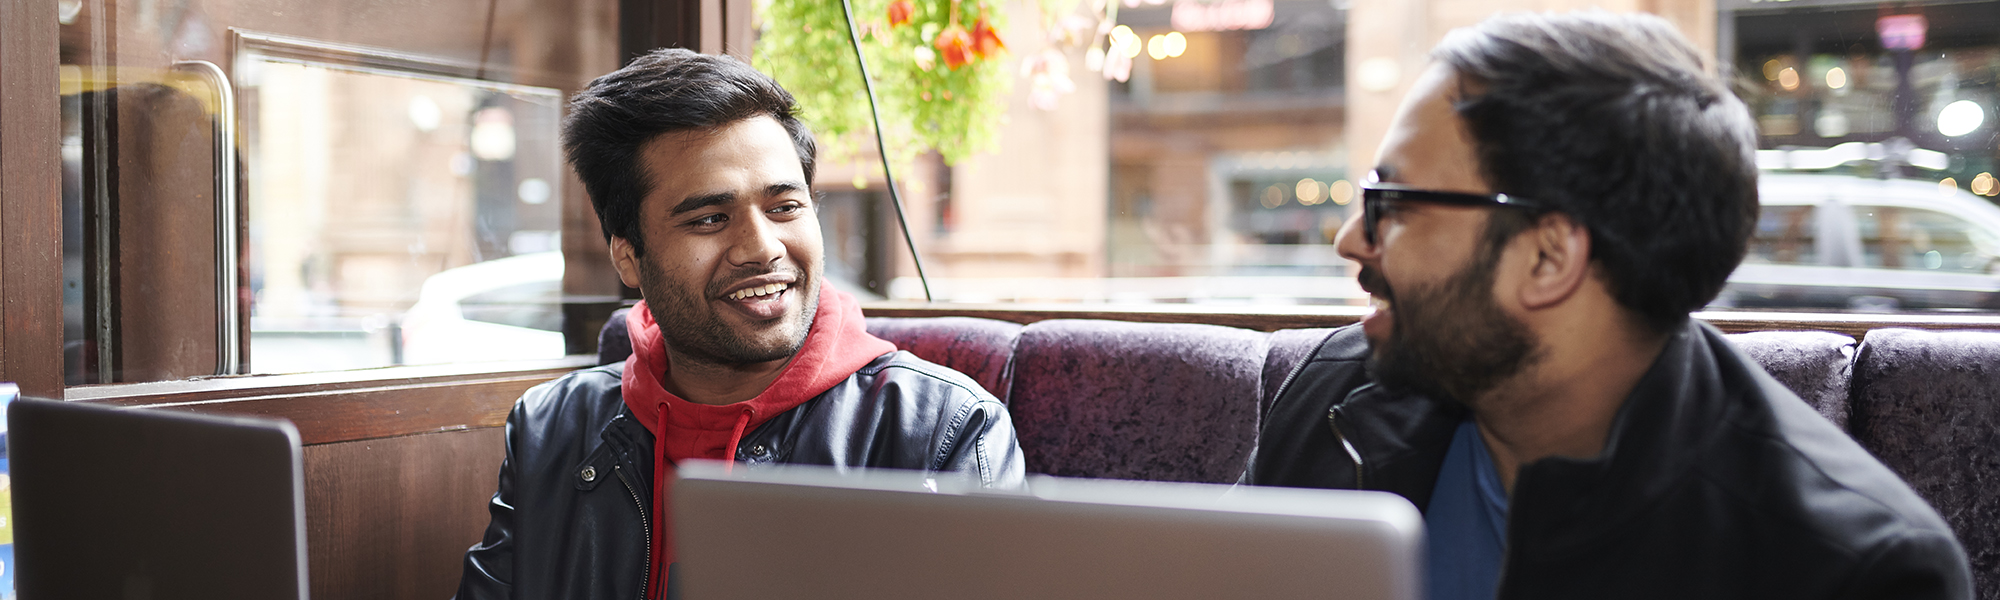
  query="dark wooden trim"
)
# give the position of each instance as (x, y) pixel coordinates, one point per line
(1298, 317)
(646, 25)
(31, 322)
(351, 405)
(1851, 325)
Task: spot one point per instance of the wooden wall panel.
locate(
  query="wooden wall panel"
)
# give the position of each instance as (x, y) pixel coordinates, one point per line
(391, 518)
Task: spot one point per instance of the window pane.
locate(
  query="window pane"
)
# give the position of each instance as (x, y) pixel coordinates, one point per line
(1785, 235)
(268, 185)
(1851, 102)
(1926, 240)
(373, 192)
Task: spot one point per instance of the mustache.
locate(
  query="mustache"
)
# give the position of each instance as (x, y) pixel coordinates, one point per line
(1372, 282)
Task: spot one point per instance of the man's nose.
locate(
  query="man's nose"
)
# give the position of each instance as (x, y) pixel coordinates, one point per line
(757, 241)
(1352, 243)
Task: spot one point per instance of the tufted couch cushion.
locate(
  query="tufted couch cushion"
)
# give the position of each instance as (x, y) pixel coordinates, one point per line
(980, 348)
(1926, 404)
(1165, 402)
(1814, 364)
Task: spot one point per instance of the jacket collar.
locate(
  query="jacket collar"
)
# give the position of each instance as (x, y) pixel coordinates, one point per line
(1654, 440)
(1400, 440)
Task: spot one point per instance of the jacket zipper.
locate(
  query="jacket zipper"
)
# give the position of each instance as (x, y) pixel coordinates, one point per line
(1293, 374)
(1353, 454)
(645, 524)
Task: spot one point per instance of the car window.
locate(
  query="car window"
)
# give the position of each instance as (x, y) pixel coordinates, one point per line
(534, 305)
(1785, 235)
(1919, 239)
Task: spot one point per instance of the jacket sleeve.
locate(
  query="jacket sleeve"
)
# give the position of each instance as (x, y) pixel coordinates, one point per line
(489, 565)
(1920, 563)
(985, 447)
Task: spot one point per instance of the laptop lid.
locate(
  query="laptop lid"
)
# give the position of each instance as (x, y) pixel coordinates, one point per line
(114, 503)
(810, 532)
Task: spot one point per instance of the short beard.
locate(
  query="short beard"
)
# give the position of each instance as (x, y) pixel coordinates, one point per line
(689, 328)
(1450, 340)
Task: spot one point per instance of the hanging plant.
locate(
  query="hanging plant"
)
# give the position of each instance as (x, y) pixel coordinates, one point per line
(936, 64)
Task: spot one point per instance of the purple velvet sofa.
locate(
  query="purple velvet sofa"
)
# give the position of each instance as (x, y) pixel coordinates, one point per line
(1181, 402)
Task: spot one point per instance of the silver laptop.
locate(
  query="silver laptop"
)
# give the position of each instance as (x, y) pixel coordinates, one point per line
(810, 532)
(145, 503)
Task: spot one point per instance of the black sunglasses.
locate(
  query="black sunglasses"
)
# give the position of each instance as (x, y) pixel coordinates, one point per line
(1375, 192)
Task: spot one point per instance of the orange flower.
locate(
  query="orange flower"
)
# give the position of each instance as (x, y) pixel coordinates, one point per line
(985, 41)
(955, 46)
(899, 12)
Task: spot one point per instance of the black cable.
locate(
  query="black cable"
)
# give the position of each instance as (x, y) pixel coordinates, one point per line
(875, 116)
(486, 46)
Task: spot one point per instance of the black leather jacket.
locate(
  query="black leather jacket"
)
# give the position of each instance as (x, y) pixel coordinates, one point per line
(1715, 482)
(571, 518)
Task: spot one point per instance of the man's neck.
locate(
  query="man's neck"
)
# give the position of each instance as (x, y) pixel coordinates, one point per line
(1564, 405)
(703, 382)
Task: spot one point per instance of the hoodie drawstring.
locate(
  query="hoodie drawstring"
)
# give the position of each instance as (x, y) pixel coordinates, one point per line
(659, 549)
(736, 437)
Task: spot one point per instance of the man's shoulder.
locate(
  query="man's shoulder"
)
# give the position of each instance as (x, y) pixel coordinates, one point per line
(932, 383)
(589, 396)
(1789, 464)
(1334, 368)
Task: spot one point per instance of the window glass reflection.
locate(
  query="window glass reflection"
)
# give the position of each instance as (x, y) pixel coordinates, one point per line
(372, 192)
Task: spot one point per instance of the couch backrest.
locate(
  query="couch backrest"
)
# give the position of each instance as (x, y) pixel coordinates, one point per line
(1928, 405)
(1816, 365)
(983, 349)
(1165, 402)
(1173, 402)
(1180, 402)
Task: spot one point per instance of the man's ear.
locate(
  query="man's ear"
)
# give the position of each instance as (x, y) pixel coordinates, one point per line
(1562, 261)
(626, 260)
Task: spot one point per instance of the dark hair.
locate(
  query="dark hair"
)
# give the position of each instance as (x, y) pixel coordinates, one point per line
(665, 91)
(1614, 121)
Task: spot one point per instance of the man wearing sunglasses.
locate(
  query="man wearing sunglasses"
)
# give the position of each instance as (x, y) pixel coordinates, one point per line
(1554, 197)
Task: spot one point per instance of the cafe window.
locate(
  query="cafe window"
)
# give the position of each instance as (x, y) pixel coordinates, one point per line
(294, 186)
(301, 186)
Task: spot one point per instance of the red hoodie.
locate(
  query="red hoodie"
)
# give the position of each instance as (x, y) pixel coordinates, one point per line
(836, 347)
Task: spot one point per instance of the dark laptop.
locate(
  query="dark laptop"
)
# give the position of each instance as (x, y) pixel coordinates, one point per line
(116, 503)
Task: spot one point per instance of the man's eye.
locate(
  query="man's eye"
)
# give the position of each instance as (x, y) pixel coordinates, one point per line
(787, 209)
(714, 219)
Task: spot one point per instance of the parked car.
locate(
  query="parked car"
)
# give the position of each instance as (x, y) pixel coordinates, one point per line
(1833, 241)
(504, 309)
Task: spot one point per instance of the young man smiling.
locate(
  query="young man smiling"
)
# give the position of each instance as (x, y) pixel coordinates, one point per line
(1553, 198)
(702, 179)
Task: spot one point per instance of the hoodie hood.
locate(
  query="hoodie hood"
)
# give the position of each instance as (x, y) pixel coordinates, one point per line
(837, 345)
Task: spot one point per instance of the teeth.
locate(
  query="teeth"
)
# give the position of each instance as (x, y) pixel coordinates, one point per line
(762, 290)
(1378, 303)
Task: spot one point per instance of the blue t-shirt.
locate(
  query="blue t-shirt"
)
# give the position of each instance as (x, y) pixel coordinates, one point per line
(1466, 523)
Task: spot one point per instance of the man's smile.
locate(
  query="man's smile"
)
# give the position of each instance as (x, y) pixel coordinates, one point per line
(764, 297)
(1379, 322)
